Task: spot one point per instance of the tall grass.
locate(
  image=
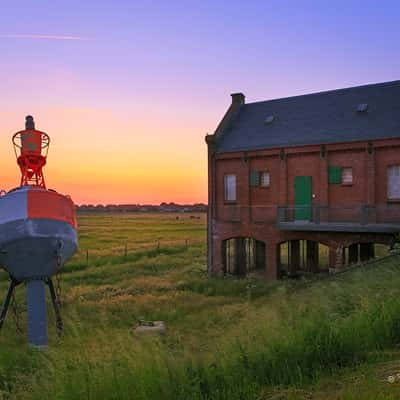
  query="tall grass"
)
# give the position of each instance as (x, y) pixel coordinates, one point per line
(307, 343)
(226, 338)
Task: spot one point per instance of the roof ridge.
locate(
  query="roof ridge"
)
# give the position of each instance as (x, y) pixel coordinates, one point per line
(368, 85)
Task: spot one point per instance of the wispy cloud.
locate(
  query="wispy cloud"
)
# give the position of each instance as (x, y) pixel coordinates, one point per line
(42, 37)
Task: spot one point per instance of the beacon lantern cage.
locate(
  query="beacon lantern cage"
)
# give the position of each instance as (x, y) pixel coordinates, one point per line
(37, 233)
(31, 147)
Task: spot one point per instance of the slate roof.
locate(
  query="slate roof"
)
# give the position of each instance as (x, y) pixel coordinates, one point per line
(318, 118)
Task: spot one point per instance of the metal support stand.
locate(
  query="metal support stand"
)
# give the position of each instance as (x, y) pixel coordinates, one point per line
(37, 314)
(56, 306)
(7, 301)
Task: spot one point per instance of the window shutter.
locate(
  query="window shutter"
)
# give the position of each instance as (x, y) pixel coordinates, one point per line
(254, 178)
(334, 175)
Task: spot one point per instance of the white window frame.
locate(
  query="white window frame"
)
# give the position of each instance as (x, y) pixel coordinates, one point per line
(262, 182)
(230, 194)
(342, 174)
(393, 190)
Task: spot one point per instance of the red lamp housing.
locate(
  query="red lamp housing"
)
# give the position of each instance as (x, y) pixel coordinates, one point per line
(31, 147)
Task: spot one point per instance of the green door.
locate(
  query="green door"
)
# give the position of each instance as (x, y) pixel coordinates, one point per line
(303, 196)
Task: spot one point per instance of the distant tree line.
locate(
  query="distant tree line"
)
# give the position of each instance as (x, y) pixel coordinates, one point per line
(163, 207)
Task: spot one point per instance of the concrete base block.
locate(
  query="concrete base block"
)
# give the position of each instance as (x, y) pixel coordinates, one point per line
(151, 327)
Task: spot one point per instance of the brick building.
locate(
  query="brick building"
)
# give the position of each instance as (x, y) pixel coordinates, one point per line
(297, 180)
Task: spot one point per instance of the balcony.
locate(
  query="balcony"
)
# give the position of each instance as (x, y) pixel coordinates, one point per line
(356, 218)
(383, 218)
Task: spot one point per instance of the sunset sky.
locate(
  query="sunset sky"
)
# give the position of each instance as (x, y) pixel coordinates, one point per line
(127, 90)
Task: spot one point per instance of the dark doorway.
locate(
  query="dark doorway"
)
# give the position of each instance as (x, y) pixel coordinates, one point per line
(359, 252)
(297, 257)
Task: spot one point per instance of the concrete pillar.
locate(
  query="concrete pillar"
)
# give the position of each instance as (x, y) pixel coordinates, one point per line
(336, 257)
(241, 266)
(332, 257)
(218, 257)
(260, 255)
(366, 251)
(353, 253)
(37, 313)
(279, 258)
(312, 256)
(271, 255)
(295, 261)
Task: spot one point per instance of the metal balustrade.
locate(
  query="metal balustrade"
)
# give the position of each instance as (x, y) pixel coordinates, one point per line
(346, 218)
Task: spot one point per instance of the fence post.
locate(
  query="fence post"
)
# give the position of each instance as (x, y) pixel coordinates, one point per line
(87, 256)
(126, 250)
(187, 243)
(158, 244)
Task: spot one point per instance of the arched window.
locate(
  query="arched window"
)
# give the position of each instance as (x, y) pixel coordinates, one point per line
(243, 255)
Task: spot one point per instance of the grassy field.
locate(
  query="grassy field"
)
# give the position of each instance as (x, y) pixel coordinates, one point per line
(333, 338)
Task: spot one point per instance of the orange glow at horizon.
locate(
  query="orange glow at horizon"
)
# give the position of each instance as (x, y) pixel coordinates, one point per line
(101, 158)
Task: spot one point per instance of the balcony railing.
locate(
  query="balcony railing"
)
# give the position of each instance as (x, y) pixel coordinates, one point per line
(348, 218)
(358, 218)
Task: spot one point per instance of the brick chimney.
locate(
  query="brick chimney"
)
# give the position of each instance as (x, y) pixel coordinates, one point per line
(238, 98)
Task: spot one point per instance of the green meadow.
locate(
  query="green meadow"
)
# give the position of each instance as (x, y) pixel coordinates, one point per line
(315, 338)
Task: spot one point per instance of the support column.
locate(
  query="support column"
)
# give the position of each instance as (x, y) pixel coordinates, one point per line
(271, 255)
(260, 255)
(37, 313)
(353, 253)
(241, 269)
(294, 264)
(279, 259)
(312, 256)
(218, 258)
(332, 257)
(336, 257)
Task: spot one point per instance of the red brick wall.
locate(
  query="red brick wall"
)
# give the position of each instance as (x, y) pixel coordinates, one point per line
(264, 199)
(354, 194)
(239, 167)
(369, 174)
(384, 157)
(369, 187)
